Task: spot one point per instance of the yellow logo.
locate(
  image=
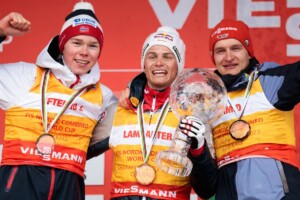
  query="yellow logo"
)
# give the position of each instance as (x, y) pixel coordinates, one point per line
(134, 101)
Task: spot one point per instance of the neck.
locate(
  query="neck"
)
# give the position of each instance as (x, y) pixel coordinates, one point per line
(157, 96)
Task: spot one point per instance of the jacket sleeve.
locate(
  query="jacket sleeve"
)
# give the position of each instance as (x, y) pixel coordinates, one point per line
(281, 85)
(204, 174)
(137, 87)
(100, 138)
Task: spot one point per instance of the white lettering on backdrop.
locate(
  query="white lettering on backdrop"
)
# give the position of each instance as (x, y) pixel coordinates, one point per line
(174, 19)
(244, 12)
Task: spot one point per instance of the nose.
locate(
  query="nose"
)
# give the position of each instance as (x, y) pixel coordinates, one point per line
(229, 56)
(159, 61)
(84, 50)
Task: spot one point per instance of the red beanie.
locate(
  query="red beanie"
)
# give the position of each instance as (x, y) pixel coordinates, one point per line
(82, 21)
(231, 29)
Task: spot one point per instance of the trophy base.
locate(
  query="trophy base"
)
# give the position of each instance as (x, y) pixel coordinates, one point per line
(174, 163)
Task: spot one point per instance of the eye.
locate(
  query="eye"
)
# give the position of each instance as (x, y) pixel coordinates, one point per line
(236, 48)
(219, 51)
(76, 43)
(151, 56)
(94, 46)
(168, 57)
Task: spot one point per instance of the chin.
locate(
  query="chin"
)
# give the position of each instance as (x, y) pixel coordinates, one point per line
(233, 72)
(79, 72)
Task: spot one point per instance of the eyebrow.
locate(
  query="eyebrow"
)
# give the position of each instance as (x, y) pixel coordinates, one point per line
(81, 40)
(234, 45)
(166, 53)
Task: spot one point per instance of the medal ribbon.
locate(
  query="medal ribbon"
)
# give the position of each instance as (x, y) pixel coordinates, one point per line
(251, 79)
(141, 121)
(44, 104)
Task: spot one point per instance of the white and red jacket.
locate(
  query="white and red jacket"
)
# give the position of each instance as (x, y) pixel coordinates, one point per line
(20, 97)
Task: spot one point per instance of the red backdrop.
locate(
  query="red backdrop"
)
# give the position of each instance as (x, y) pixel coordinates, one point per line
(275, 28)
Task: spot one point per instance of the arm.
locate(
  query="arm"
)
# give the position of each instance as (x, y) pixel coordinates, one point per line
(13, 84)
(100, 138)
(204, 174)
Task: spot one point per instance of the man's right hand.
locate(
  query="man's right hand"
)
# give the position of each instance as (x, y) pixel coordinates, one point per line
(195, 129)
(123, 99)
(14, 24)
(134, 94)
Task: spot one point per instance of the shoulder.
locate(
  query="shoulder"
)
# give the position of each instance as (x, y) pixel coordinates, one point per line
(105, 90)
(108, 95)
(268, 65)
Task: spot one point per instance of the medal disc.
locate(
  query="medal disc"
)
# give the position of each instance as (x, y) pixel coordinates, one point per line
(239, 130)
(145, 174)
(45, 144)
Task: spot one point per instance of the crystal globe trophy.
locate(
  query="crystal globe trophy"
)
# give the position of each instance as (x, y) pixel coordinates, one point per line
(199, 93)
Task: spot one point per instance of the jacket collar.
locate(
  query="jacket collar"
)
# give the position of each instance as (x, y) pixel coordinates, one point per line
(239, 81)
(155, 97)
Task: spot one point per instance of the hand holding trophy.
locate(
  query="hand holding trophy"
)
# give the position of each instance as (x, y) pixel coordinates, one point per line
(199, 93)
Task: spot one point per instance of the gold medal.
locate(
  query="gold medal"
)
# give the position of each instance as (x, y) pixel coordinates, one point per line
(145, 174)
(239, 130)
(45, 144)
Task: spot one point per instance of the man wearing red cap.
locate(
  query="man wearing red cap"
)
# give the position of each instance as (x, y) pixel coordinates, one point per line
(254, 139)
(52, 108)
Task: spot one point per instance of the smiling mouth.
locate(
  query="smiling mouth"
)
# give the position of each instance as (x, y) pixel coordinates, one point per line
(230, 66)
(84, 62)
(159, 72)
